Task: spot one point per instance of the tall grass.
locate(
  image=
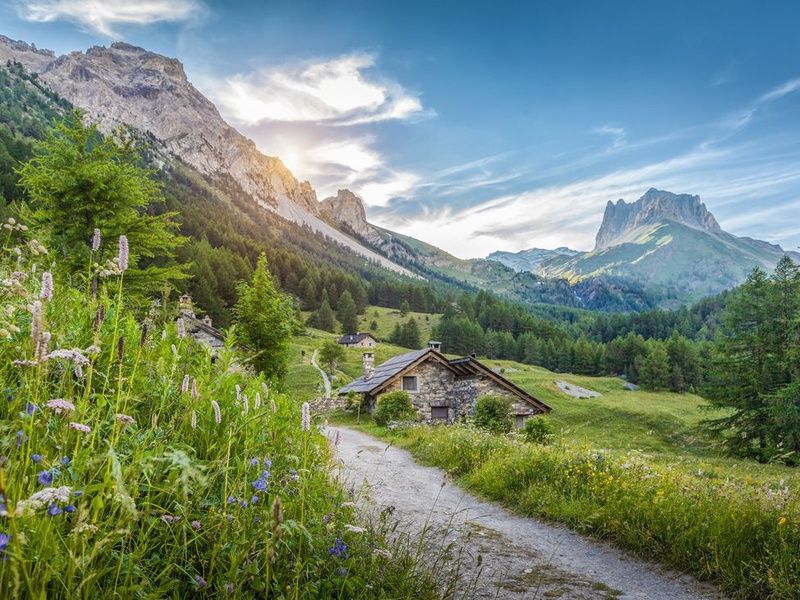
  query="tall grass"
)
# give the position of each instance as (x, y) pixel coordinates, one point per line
(132, 465)
(744, 537)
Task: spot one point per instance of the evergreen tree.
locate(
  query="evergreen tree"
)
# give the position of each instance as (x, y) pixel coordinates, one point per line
(405, 308)
(79, 180)
(346, 313)
(411, 334)
(331, 354)
(324, 318)
(265, 320)
(654, 369)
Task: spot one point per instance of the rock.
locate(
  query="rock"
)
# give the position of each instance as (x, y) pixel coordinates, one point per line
(576, 391)
(631, 387)
(656, 206)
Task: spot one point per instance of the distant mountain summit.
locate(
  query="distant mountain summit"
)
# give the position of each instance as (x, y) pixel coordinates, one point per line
(622, 221)
(530, 259)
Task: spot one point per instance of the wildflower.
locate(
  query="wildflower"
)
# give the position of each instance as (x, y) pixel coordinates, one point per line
(30, 408)
(383, 553)
(254, 499)
(339, 549)
(254, 462)
(243, 503)
(238, 392)
(217, 413)
(80, 427)
(123, 253)
(781, 521)
(69, 508)
(306, 416)
(267, 463)
(354, 529)
(294, 475)
(58, 405)
(96, 240)
(261, 483)
(194, 389)
(5, 540)
(21, 437)
(231, 499)
(174, 351)
(45, 477)
(185, 384)
(201, 583)
(65, 461)
(78, 371)
(40, 353)
(196, 525)
(37, 320)
(194, 420)
(343, 572)
(42, 498)
(54, 510)
(74, 354)
(181, 326)
(125, 419)
(170, 519)
(274, 406)
(36, 458)
(257, 401)
(245, 405)
(47, 286)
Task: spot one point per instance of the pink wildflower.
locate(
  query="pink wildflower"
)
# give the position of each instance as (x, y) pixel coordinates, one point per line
(123, 253)
(217, 412)
(59, 405)
(125, 419)
(185, 384)
(194, 420)
(47, 286)
(306, 416)
(96, 240)
(80, 427)
(195, 394)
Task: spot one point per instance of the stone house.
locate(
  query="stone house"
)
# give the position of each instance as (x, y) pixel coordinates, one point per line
(200, 329)
(441, 390)
(358, 340)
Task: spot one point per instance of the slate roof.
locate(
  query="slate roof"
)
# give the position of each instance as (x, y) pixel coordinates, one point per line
(354, 338)
(466, 366)
(384, 372)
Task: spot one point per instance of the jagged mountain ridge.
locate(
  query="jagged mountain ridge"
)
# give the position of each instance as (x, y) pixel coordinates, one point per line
(669, 243)
(530, 259)
(130, 86)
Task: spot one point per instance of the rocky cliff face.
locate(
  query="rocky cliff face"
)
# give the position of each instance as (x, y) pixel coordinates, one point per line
(128, 85)
(346, 210)
(656, 206)
(124, 84)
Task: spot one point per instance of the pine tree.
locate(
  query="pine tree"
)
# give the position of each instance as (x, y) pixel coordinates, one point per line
(654, 369)
(346, 313)
(323, 318)
(265, 321)
(79, 180)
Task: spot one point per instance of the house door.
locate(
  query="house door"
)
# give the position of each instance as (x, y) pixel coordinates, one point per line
(439, 413)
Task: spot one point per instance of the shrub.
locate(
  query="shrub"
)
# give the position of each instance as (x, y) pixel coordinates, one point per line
(493, 413)
(538, 431)
(394, 406)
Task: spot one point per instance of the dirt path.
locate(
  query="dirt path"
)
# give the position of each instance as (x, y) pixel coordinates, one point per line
(322, 372)
(519, 557)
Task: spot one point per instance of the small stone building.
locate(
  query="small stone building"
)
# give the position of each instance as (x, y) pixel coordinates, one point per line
(441, 390)
(358, 340)
(199, 329)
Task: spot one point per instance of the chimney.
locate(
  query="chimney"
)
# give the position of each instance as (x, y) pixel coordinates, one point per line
(369, 364)
(434, 345)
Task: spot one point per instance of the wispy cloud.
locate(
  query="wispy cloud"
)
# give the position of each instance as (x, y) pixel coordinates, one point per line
(337, 91)
(782, 90)
(618, 134)
(105, 16)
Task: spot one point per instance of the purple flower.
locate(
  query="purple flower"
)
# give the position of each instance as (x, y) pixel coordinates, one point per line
(65, 461)
(201, 583)
(77, 493)
(69, 508)
(339, 549)
(21, 437)
(196, 525)
(123, 253)
(253, 462)
(30, 408)
(267, 464)
(5, 540)
(294, 475)
(231, 499)
(45, 477)
(305, 416)
(47, 286)
(243, 503)
(260, 484)
(36, 458)
(254, 499)
(54, 510)
(343, 572)
(96, 240)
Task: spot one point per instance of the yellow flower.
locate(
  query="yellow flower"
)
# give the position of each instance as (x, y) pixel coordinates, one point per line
(782, 521)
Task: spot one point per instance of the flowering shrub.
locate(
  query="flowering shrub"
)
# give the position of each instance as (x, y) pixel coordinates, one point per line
(119, 477)
(745, 537)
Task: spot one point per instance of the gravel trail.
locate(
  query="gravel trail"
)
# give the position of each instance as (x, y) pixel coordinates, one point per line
(512, 556)
(325, 380)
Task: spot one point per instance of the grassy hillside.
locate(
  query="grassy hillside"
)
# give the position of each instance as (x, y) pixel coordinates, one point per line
(387, 318)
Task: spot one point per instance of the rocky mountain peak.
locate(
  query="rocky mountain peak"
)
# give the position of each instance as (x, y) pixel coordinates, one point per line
(654, 207)
(347, 210)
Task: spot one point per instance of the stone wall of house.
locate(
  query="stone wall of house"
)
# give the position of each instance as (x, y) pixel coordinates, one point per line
(323, 405)
(439, 387)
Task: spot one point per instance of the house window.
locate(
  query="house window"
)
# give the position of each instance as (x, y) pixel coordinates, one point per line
(410, 383)
(439, 413)
(519, 421)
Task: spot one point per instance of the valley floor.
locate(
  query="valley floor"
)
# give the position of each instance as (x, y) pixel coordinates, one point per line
(500, 554)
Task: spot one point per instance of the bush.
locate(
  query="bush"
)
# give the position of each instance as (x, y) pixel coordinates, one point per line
(394, 406)
(493, 413)
(538, 431)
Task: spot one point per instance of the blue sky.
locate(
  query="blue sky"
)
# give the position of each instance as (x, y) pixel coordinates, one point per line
(483, 126)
